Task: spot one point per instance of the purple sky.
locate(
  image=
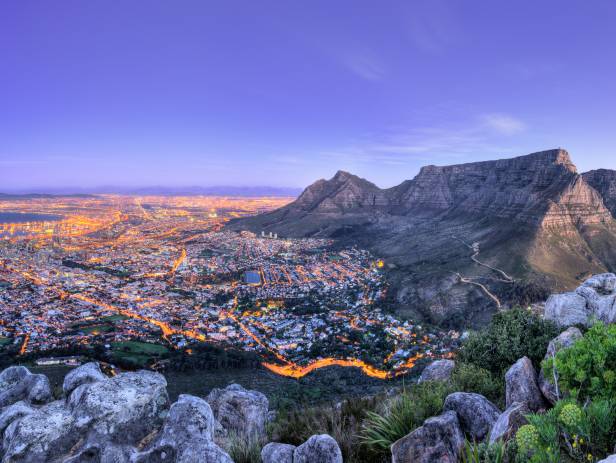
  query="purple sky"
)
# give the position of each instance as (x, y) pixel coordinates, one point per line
(159, 92)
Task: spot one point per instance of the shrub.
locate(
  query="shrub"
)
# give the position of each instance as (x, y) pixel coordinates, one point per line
(587, 370)
(484, 453)
(468, 377)
(342, 422)
(568, 432)
(245, 449)
(403, 414)
(511, 334)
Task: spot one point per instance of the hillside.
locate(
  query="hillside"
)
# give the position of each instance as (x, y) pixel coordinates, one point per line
(533, 218)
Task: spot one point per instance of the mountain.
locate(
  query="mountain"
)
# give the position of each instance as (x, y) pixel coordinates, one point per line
(454, 236)
(604, 181)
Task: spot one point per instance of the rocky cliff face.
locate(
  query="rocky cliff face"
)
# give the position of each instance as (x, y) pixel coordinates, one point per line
(604, 181)
(532, 216)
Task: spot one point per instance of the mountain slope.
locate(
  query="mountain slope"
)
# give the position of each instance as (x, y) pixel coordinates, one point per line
(533, 217)
(604, 181)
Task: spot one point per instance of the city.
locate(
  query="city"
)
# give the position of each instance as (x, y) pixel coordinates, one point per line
(129, 273)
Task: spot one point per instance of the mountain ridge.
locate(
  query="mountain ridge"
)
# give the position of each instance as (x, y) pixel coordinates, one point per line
(534, 216)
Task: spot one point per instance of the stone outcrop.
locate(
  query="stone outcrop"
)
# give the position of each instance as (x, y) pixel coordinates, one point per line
(126, 418)
(477, 414)
(439, 370)
(87, 373)
(610, 459)
(277, 453)
(509, 422)
(440, 439)
(240, 410)
(521, 385)
(565, 339)
(17, 383)
(595, 299)
(320, 448)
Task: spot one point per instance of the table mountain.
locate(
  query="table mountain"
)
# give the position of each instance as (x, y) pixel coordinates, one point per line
(461, 240)
(604, 181)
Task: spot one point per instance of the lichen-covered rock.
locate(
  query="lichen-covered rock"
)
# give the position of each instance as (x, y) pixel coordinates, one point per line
(17, 383)
(186, 435)
(320, 448)
(601, 306)
(567, 309)
(277, 453)
(43, 435)
(123, 409)
(439, 370)
(439, 440)
(13, 413)
(610, 459)
(509, 422)
(604, 283)
(546, 384)
(85, 374)
(240, 410)
(521, 385)
(477, 414)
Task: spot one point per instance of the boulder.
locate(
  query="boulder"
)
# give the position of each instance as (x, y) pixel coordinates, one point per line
(610, 459)
(565, 339)
(320, 448)
(240, 410)
(46, 434)
(186, 435)
(567, 309)
(17, 383)
(604, 283)
(477, 414)
(277, 453)
(439, 370)
(509, 422)
(521, 385)
(13, 413)
(123, 409)
(601, 306)
(85, 374)
(439, 440)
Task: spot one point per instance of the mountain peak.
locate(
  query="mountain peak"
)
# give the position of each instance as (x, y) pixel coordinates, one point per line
(343, 176)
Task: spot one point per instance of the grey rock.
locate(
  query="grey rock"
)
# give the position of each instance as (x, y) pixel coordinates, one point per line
(439, 440)
(123, 409)
(186, 435)
(604, 283)
(601, 306)
(13, 413)
(567, 309)
(43, 435)
(320, 448)
(610, 459)
(277, 453)
(521, 385)
(17, 383)
(85, 374)
(439, 370)
(240, 410)
(477, 414)
(564, 340)
(509, 422)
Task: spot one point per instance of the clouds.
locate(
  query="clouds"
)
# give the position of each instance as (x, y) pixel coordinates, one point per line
(503, 123)
(486, 134)
(365, 65)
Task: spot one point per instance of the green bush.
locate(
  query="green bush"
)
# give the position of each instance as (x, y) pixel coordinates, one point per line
(468, 377)
(485, 453)
(587, 370)
(568, 432)
(245, 449)
(511, 334)
(403, 414)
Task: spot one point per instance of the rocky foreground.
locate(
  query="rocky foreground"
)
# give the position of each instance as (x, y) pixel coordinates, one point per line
(128, 418)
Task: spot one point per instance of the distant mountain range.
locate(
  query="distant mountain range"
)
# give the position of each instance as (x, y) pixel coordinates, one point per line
(453, 235)
(247, 191)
